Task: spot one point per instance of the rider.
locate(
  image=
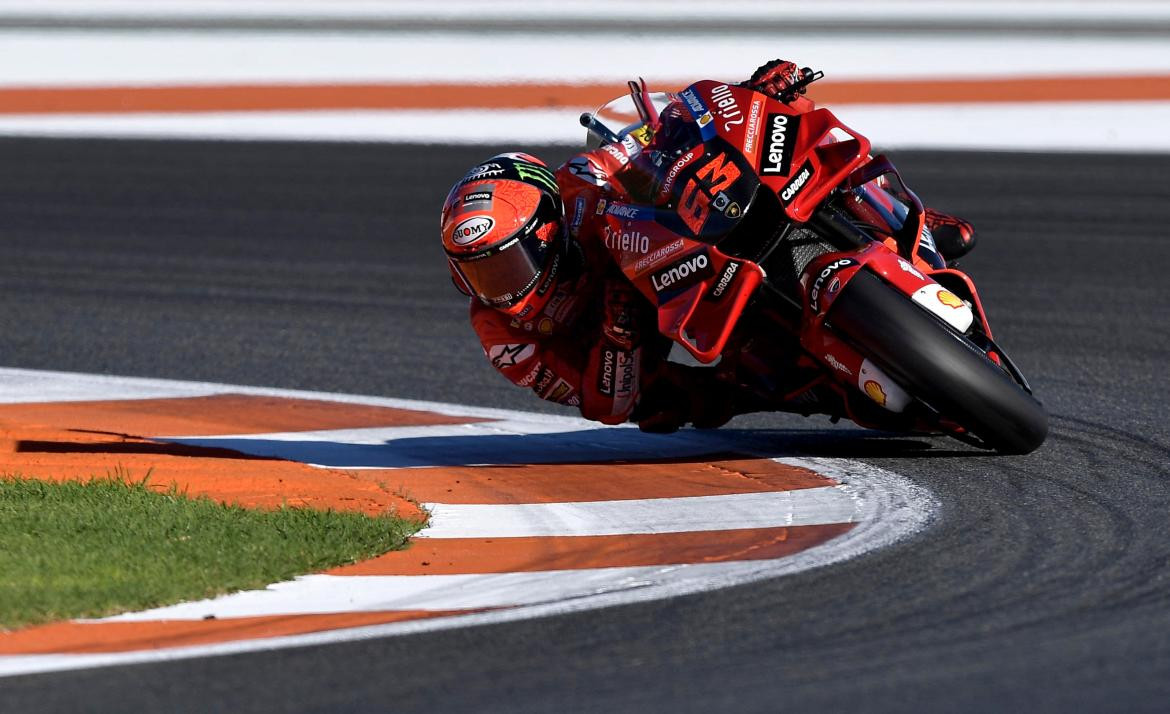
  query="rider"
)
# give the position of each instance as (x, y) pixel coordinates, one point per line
(551, 308)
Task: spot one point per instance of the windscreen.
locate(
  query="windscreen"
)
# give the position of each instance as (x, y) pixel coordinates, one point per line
(881, 200)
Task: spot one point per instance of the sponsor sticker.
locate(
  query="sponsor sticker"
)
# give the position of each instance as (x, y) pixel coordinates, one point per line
(949, 299)
(510, 355)
(477, 197)
(658, 255)
(699, 111)
(469, 231)
(606, 370)
(559, 391)
(617, 154)
(875, 392)
(752, 132)
(627, 241)
(537, 174)
(529, 379)
(630, 211)
(550, 277)
(794, 187)
(815, 294)
(837, 364)
(720, 287)
(680, 275)
(543, 381)
(488, 170)
(723, 104)
(578, 216)
(926, 238)
(907, 268)
(673, 172)
(627, 373)
(584, 169)
(694, 104)
(780, 131)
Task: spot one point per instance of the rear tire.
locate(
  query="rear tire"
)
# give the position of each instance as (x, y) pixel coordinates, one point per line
(937, 365)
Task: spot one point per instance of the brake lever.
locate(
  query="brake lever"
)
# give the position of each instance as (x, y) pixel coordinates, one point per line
(800, 87)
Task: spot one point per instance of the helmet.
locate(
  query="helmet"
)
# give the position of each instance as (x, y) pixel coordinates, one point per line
(501, 229)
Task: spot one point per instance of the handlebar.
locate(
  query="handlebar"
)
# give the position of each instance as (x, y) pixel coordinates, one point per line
(596, 128)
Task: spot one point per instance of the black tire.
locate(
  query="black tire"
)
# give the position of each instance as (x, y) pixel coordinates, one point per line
(937, 365)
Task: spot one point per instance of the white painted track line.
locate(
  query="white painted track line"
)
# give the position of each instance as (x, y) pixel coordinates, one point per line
(770, 509)
(330, 594)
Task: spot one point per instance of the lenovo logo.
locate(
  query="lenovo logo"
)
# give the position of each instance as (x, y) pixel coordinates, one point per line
(776, 159)
(681, 274)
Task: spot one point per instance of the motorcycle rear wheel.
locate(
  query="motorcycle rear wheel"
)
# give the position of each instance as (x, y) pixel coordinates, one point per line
(938, 366)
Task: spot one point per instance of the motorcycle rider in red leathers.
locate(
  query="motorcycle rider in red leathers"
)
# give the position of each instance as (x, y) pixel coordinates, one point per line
(550, 306)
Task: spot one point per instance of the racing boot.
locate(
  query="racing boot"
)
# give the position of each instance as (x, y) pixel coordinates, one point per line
(953, 237)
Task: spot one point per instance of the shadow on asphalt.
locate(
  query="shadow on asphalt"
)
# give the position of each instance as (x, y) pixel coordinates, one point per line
(602, 445)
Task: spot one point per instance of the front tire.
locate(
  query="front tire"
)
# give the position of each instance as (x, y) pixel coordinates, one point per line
(937, 365)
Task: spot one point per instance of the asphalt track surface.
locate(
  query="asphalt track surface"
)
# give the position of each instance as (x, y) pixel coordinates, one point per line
(1043, 586)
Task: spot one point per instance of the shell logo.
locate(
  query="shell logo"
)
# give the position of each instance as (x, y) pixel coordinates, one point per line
(949, 299)
(875, 392)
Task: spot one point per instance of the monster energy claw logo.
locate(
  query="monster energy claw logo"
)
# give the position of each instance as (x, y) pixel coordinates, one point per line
(539, 174)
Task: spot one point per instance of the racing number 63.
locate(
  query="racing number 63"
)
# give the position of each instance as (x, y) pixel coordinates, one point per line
(712, 178)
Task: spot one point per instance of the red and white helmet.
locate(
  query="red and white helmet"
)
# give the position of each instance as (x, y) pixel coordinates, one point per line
(501, 229)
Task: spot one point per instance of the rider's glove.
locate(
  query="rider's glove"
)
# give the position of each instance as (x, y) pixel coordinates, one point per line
(773, 78)
(620, 323)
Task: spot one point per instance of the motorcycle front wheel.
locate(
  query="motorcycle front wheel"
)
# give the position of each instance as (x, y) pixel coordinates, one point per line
(937, 366)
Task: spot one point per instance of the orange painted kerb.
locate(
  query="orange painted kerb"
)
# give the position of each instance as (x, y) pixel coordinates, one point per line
(92, 637)
(76, 440)
(535, 95)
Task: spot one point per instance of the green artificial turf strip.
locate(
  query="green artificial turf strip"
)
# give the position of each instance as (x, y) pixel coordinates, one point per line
(98, 547)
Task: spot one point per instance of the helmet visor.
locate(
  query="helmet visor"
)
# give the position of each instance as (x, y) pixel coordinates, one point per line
(503, 274)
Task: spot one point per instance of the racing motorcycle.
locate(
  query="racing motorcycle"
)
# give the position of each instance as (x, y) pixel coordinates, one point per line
(776, 247)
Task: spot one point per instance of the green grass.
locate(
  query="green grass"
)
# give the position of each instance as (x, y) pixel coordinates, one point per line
(107, 545)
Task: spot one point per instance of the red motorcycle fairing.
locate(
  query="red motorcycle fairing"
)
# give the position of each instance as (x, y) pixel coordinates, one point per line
(800, 153)
(754, 186)
(748, 143)
(700, 291)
